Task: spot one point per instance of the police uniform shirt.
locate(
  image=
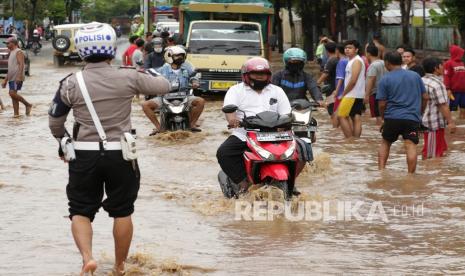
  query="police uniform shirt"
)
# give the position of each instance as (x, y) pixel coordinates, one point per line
(111, 91)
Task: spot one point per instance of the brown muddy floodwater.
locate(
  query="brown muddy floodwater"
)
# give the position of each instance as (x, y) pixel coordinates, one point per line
(183, 226)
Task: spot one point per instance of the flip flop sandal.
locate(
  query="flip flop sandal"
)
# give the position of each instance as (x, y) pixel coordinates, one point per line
(195, 129)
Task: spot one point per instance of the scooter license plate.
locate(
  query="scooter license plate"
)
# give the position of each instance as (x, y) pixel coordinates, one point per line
(273, 136)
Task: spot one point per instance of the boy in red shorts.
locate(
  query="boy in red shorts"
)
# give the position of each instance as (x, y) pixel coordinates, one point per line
(437, 111)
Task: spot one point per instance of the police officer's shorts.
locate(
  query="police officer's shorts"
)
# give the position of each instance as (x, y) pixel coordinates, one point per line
(190, 99)
(95, 172)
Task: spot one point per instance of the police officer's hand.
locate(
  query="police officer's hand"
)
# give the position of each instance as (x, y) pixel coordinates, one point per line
(61, 154)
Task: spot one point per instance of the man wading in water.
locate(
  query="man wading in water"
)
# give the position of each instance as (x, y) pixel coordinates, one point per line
(15, 76)
(400, 111)
(100, 164)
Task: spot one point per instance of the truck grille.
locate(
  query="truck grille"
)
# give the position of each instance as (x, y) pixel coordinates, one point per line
(233, 76)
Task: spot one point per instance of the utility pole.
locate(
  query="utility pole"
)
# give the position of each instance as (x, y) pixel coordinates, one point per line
(13, 10)
(424, 27)
(146, 16)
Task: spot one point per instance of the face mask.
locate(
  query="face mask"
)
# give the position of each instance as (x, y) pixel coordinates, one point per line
(157, 49)
(295, 67)
(178, 62)
(258, 84)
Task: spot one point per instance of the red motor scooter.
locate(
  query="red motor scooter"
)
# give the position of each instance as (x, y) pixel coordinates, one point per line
(271, 158)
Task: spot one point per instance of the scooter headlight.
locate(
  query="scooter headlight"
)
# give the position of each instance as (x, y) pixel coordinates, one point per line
(261, 151)
(176, 109)
(302, 116)
(289, 152)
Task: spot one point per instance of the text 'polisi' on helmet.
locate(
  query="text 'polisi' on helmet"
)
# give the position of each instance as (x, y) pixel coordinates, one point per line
(96, 40)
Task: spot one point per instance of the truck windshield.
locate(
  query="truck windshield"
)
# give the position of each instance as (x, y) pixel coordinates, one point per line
(225, 39)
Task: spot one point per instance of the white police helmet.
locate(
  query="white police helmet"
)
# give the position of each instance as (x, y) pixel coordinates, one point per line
(96, 39)
(173, 51)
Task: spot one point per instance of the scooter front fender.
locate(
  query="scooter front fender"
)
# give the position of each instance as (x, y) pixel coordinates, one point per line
(276, 171)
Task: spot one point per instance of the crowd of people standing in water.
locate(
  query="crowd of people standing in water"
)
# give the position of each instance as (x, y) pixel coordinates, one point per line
(404, 96)
(351, 79)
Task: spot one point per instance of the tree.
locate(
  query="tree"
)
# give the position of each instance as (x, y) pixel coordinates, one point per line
(456, 11)
(291, 22)
(278, 25)
(405, 6)
(306, 10)
(33, 16)
(104, 10)
(341, 18)
(70, 6)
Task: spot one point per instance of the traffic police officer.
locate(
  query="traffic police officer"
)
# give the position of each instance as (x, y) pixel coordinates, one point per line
(99, 165)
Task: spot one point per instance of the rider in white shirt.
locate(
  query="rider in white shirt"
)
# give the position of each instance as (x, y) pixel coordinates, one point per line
(254, 95)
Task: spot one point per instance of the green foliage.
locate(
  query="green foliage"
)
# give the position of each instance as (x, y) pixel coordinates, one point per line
(438, 19)
(455, 9)
(104, 10)
(369, 7)
(55, 9)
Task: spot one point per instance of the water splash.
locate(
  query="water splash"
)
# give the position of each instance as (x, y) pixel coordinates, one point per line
(320, 166)
(180, 136)
(145, 264)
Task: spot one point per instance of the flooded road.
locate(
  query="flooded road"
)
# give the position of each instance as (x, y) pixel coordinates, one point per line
(183, 226)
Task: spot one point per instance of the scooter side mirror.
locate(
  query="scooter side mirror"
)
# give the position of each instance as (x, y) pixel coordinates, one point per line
(230, 108)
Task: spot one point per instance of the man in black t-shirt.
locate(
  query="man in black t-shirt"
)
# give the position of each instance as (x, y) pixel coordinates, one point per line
(409, 62)
(328, 77)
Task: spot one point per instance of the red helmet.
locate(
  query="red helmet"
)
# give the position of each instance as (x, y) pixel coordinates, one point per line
(256, 64)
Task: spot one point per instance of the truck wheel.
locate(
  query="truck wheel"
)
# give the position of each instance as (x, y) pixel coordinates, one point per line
(61, 43)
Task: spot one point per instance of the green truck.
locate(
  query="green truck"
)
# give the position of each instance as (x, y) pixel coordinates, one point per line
(221, 35)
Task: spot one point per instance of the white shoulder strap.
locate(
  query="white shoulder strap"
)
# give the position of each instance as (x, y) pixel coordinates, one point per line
(90, 106)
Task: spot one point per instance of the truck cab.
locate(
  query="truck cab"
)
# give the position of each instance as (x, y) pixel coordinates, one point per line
(217, 49)
(220, 35)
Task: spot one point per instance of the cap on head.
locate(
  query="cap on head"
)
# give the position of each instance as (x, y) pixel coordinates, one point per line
(97, 40)
(136, 16)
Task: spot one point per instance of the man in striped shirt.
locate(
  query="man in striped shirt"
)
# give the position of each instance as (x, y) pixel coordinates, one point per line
(437, 110)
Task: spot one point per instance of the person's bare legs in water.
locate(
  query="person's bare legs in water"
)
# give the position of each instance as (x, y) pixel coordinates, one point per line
(16, 99)
(2, 107)
(81, 228)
